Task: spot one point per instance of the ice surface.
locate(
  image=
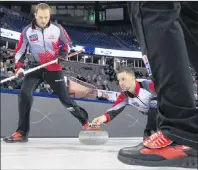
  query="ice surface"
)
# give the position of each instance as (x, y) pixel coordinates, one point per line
(67, 153)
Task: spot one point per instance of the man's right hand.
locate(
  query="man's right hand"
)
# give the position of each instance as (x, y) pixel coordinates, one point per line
(19, 72)
(100, 120)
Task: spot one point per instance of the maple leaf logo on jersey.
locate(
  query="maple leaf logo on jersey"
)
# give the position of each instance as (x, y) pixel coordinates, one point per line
(46, 57)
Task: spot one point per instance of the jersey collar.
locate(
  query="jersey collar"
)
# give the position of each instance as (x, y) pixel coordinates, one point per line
(35, 26)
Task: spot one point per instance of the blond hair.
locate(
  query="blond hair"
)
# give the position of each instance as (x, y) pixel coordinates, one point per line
(42, 6)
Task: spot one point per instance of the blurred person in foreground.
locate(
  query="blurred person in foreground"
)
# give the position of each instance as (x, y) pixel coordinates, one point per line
(168, 37)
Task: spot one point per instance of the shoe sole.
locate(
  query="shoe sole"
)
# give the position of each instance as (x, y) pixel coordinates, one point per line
(187, 162)
(15, 141)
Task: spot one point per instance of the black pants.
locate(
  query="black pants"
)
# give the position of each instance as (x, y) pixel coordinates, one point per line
(151, 119)
(160, 35)
(56, 81)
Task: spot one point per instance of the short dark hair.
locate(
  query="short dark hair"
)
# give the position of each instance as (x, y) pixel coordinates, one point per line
(127, 70)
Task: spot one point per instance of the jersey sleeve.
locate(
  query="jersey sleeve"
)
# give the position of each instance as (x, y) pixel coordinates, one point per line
(65, 39)
(152, 87)
(149, 86)
(116, 109)
(21, 49)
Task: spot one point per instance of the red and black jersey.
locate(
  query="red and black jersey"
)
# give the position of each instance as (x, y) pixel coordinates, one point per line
(44, 45)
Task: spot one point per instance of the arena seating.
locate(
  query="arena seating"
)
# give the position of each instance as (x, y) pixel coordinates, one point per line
(92, 38)
(125, 34)
(101, 77)
(122, 39)
(80, 36)
(13, 23)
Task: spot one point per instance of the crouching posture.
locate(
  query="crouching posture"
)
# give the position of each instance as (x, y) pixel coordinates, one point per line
(139, 94)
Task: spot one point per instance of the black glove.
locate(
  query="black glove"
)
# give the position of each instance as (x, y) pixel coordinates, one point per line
(62, 54)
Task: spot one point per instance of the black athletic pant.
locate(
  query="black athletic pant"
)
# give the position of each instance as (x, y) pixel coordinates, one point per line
(161, 38)
(151, 119)
(56, 81)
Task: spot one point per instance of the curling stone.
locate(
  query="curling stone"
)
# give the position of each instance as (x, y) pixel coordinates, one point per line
(93, 137)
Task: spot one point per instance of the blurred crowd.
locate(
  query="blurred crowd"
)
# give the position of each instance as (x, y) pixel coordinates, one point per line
(8, 70)
(101, 77)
